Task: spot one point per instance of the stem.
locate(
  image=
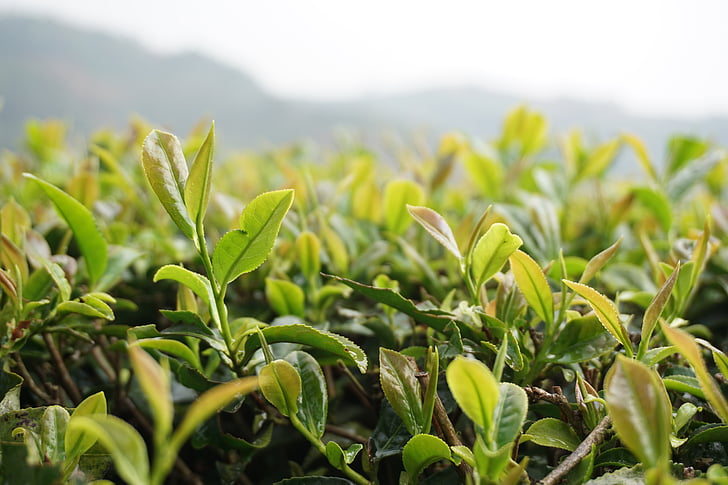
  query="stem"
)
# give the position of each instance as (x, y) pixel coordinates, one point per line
(66, 381)
(594, 438)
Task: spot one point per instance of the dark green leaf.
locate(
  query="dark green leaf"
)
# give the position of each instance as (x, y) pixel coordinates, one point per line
(402, 389)
(509, 414)
(553, 433)
(313, 400)
(580, 340)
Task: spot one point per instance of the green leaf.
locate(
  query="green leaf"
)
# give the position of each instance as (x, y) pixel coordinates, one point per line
(422, 451)
(155, 384)
(122, 441)
(243, 250)
(52, 432)
(606, 312)
(641, 151)
(710, 433)
(77, 442)
(640, 409)
(532, 283)
(205, 406)
(197, 188)
(308, 249)
(436, 225)
(87, 305)
(597, 262)
(166, 170)
(553, 433)
(682, 383)
(492, 251)
(486, 174)
(402, 389)
(281, 385)
(436, 319)
(654, 310)
(88, 237)
(657, 203)
(196, 282)
(475, 389)
(285, 297)
(397, 195)
(172, 347)
(580, 340)
(306, 335)
(340, 458)
(313, 401)
(689, 349)
(509, 414)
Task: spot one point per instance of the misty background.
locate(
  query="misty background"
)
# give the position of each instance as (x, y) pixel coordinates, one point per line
(290, 71)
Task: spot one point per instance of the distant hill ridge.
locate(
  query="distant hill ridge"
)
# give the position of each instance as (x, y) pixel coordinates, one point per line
(97, 80)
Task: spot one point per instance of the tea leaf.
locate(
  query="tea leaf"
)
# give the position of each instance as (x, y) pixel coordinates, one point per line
(658, 203)
(402, 389)
(123, 442)
(509, 414)
(553, 433)
(475, 389)
(313, 401)
(597, 262)
(285, 297)
(689, 349)
(340, 458)
(154, 381)
(532, 283)
(641, 151)
(580, 340)
(436, 226)
(52, 432)
(242, 251)
(166, 170)
(281, 385)
(308, 248)
(606, 312)
(197, 188)
(172, 347)
(422, 451)
(654, 310)
(306, 335)
(397, 195)
(88, 237)
(640, 409)
(492, 251)
(196, 282)
(77, 442)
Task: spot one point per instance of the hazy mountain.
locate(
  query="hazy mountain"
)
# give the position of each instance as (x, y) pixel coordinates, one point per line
(95, 80)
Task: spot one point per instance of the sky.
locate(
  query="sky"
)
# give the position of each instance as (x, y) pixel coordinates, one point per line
(651, 57)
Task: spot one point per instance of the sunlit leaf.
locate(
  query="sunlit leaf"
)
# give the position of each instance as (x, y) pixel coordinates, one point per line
(654, 310)
(532, 283)
(475, 389)
(640, 409)
(509, 414)
(397, 195)
(421, 451)
(281, 385)
(197, 188)
(88, 237)
(436, 225)
(243, 250)
(492, 251)
(597, 262)
(76, 441)
(285, 297)
(196, 282)
(605, 310)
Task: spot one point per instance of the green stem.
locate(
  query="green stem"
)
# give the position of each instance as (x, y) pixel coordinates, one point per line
(316, 442)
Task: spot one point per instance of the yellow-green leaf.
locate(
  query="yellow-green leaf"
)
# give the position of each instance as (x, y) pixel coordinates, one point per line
(532, 283)
(397, 194)
(475, 389)
(280, 384)
(492, 251)
(197, 188)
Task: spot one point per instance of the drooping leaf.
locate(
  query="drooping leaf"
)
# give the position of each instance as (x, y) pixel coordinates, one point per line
(640, 409)
(492, 251)
(397, 194)
(689, 349)
(313, 401)
(123, 442)
(197, 188)
(88, 237)
(306, 335)
(605, 310)
(166, 170)
(196, 282)
(172, 347)
(402, 389)
(281, 385)
(553, 433)
(436, 225)
(243, 250)
(422, 451)
(532, 283)
(475, 389)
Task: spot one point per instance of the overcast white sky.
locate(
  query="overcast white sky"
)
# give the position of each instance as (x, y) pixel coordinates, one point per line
(650, 56)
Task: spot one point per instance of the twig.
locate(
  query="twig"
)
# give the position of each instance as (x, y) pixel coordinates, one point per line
(27, 376)
(66, 381)
(594, 438)
(536, 394)
(345, 433)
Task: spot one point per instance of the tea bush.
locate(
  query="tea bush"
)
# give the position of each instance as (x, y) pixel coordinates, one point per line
(492, 312)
